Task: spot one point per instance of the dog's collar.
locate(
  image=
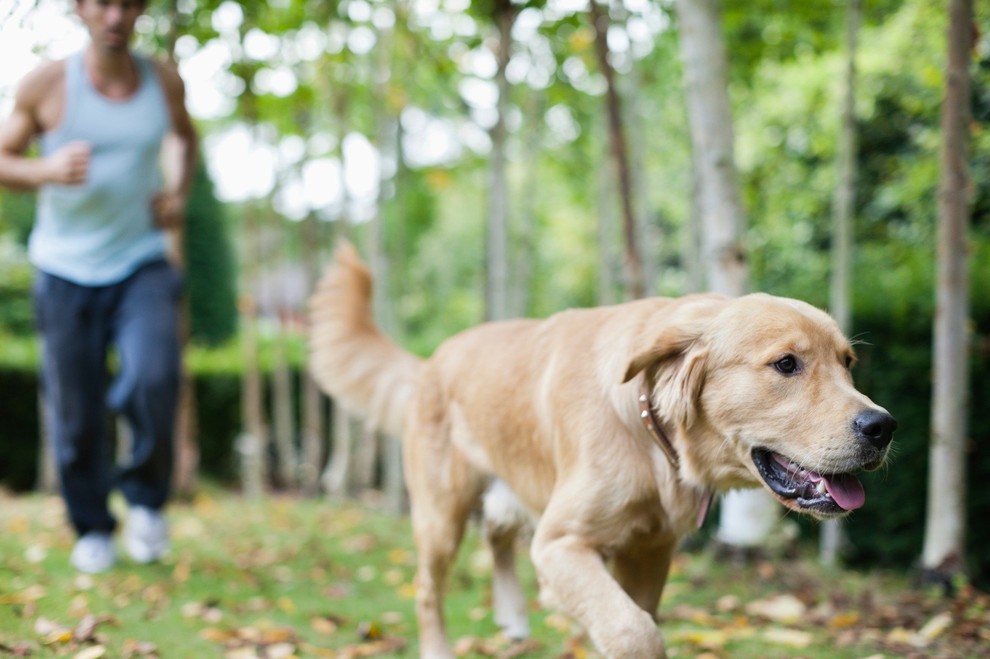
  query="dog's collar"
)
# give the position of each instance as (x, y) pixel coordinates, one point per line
(649, 417)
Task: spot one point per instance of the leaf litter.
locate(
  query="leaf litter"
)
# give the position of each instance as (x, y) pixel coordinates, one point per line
(280, 579)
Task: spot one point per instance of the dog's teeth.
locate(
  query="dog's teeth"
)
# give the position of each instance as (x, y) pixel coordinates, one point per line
(820, 488)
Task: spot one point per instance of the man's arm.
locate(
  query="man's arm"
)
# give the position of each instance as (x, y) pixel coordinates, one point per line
(179, 152)
(69, 165)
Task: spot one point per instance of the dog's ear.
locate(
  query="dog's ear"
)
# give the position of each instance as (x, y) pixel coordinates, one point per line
(672, 350)
(671, 331)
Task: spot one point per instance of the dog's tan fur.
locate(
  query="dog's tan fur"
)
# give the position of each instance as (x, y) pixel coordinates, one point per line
(550, 407)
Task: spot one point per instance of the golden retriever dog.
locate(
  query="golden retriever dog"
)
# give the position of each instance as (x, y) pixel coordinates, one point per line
(609, 428)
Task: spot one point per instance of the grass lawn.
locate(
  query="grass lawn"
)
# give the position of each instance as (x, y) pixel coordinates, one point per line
(286, 577)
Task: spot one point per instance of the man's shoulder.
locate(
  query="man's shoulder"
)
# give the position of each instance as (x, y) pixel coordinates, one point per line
(167, 72)
(42, 79)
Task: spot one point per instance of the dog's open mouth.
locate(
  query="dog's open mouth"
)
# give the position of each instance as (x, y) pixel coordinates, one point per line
(800, 488)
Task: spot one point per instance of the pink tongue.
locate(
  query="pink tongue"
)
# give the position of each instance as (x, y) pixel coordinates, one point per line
(846, 490)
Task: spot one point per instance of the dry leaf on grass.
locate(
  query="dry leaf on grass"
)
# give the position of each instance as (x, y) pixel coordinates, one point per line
(92, 652)
(779, 608)
(793, 638)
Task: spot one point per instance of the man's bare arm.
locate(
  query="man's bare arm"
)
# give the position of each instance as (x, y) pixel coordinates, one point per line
(68, 165)
(179, 153)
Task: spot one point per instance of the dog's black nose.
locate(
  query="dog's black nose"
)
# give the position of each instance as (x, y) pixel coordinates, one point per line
(876, 427)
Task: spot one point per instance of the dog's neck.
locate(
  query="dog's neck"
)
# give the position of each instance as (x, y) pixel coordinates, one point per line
(653, 426)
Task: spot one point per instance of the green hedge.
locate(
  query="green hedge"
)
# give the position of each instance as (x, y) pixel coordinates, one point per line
(218, 419)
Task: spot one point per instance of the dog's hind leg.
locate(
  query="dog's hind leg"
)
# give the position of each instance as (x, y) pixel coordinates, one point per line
(504, 518)
(444, 489)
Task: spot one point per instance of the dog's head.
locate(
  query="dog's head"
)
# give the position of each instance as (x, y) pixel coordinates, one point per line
(761, 390)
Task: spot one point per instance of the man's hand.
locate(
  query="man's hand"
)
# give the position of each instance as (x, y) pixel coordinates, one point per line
(69, 165)
(168, 210)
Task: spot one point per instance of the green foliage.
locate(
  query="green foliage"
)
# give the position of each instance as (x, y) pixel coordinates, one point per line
(895, 370)
(17, 211)
(210, 269)
(16, 277)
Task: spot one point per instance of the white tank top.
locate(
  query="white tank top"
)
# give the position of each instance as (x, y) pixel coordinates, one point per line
(100, 232)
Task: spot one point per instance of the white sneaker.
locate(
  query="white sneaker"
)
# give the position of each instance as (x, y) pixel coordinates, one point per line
(146, 534)
(94, 552)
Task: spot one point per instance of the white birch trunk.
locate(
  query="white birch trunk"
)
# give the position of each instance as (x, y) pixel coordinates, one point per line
(252, 444)
(336, 474)
(312, 426)
(282, 411)
(48, 480)
(498, 192)
(746, 517)
(945, 520)
(843, 206)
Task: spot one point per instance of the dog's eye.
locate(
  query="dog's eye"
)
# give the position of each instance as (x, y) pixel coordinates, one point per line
(787, 365)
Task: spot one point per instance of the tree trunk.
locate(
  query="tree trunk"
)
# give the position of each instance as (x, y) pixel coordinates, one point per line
(498, 192)
(47, 469)
(253, 442)
(312, 431)
(312, 428)
(282, 410)
(342, 474)
(843, 206)
(393, 481)
(945, 521)
(525, 252)
(607, 248)
(336, 475)
(633, 266)
(746, 517)
(185, 433)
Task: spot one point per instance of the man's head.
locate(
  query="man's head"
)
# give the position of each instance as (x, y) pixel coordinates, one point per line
(110, 22)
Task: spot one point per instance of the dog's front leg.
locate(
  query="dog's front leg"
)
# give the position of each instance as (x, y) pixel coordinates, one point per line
(573, 575)
(642, 573)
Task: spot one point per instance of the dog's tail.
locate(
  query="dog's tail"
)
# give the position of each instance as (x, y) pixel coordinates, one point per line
(350, 358)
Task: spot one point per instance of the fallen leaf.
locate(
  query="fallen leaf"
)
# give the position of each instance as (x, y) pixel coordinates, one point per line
(790, 637)
(400, 556)
(390, 644)
(843, 620)
(35, 554)
(392, 617)
(369, 631)
(728, 603)
(900, 636)
(217, 635)
(43, 626)
(280, 651)
(29, 594)
(92, 652)
(134, 648)
(277, 636)
(710, 639)
(519, 648)
(935, 627)
(558, 622)
(286, 605)
(780, 608)
(323, 625)
(86, 629)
